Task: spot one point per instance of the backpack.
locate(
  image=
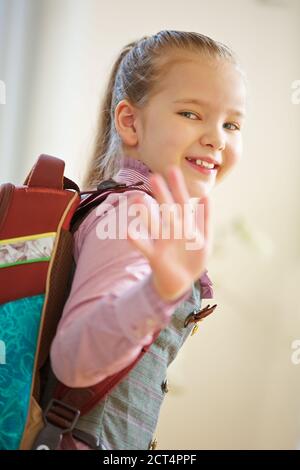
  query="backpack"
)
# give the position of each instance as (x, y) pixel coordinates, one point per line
(37, 224)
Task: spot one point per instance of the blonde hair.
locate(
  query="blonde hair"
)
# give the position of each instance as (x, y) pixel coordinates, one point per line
(141, 65)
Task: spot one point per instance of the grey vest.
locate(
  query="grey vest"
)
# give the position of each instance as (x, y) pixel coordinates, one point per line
(127, 417)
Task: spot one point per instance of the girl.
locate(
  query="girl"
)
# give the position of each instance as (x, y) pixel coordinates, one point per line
(171, 118)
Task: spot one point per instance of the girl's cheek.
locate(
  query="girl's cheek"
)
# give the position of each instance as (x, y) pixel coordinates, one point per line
(231, 158)
(233, 154)
(173, 142)
(229, 163)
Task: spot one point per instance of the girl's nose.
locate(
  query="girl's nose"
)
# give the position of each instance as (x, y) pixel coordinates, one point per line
(214, 138)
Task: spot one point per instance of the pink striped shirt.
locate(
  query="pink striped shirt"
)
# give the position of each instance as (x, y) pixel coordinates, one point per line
(113, 308)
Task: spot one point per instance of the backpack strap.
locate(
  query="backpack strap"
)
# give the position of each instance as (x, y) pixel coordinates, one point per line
(63, 411)
(48, 172)
(99, 195)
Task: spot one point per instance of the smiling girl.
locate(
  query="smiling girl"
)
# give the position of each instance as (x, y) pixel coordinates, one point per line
(171, 118)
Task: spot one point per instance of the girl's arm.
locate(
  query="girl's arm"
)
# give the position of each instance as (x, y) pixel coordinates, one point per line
(113, 308)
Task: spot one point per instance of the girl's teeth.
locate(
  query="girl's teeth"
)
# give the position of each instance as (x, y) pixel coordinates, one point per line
(205, 164)
(202, 163)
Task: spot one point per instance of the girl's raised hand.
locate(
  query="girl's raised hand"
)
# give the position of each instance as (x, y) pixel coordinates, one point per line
(175, 265)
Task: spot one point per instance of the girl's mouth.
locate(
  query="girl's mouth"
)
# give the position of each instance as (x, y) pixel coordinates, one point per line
(201, 169)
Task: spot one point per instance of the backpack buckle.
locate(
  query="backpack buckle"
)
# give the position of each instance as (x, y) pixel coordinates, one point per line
(111, 183)
(59, 419)
(108, 184)
(61, 414)
(196, 316)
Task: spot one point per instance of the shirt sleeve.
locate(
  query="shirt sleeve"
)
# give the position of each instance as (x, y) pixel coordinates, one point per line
(113, 308)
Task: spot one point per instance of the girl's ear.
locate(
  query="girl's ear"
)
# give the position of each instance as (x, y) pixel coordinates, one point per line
(125, 119)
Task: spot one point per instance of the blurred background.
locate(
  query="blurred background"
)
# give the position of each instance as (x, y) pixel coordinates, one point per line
(236, 383)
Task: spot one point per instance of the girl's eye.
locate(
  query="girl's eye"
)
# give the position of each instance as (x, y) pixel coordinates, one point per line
(189, 112)
(232, 124)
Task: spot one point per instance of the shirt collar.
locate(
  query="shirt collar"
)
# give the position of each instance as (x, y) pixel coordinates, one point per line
(133, 170)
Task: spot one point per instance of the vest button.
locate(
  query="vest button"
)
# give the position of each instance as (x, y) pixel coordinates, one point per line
(165, 386)
(153, 444)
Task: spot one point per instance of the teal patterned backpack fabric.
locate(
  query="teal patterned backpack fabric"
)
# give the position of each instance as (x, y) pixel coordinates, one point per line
(20, 324)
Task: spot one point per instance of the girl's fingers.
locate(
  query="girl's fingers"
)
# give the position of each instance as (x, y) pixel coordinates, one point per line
(143, 245)
(177, 185)
(138, 228)
(192, 229)
(185, 206)
(208, 223)
(148, 212)
(165, 200)
(204, 221)
(160, 189)
(207, 217)
(146, 215)
(173, 195)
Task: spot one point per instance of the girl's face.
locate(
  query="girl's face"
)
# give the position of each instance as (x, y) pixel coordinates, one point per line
(168, 130)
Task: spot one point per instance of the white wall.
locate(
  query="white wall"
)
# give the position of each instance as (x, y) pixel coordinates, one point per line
(234, 384)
